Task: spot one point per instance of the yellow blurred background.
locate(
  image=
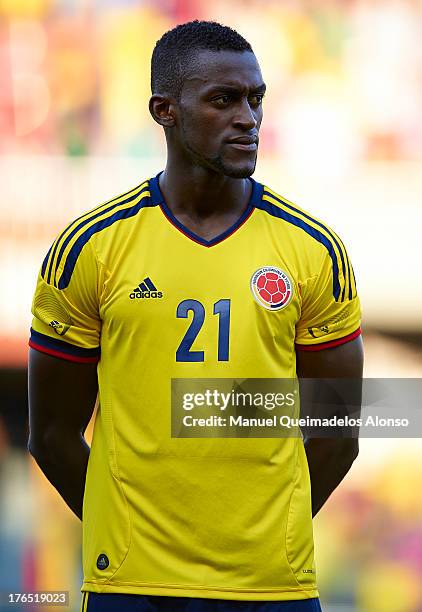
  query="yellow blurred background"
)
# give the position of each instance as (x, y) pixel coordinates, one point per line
(342, 137)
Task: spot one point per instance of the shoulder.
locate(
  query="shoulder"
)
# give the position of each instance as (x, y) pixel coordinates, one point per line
(307, 224)
(68, 247)
(317, 244)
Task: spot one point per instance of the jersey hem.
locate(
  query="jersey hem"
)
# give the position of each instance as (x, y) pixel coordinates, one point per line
(284, 594)
(330, 344)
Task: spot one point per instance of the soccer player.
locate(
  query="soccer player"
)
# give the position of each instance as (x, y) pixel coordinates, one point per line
(198, 272)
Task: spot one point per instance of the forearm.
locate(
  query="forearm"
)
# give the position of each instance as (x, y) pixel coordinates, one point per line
(329, 460)
(64, 462)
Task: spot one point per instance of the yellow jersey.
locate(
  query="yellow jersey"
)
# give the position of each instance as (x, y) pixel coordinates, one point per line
(129, 286)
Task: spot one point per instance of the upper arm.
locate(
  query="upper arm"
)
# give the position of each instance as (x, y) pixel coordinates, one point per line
(331, 385)
(62, 396)
(343, 361)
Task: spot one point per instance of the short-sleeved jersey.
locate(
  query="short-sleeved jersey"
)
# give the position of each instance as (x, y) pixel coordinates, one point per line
(215, 518)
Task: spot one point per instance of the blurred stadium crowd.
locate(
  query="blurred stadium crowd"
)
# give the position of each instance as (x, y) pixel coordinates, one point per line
(344, 75)
(344, 97)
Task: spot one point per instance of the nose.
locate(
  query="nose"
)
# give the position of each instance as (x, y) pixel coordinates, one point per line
(245, 118)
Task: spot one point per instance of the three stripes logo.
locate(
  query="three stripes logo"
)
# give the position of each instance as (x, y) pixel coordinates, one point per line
(145, 289)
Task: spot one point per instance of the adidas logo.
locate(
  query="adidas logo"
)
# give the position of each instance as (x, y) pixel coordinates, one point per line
(146, 289)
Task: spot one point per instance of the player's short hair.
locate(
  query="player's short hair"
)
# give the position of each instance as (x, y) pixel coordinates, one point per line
(174, 52)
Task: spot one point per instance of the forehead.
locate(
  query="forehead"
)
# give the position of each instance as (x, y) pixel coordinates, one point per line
(214, 68)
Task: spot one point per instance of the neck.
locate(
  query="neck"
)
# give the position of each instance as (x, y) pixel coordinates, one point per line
(202, 193)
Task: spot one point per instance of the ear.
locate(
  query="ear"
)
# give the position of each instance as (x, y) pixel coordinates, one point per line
(162, 110)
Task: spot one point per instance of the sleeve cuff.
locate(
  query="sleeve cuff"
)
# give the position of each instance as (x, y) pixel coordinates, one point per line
(330, 344)
(63, 350)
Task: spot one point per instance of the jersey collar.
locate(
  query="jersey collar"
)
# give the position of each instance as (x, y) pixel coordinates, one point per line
(158, 200)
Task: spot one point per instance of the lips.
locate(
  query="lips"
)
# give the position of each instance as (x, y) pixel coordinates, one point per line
(244, 140)
(244, 147)
(244, 143)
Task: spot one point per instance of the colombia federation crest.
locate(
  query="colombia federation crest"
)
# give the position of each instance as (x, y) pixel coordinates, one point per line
(271, 288)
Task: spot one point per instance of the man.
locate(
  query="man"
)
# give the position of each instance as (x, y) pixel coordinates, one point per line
(167, 281)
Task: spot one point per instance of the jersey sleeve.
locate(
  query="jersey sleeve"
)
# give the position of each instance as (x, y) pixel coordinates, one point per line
(65, 308)
(331, 313)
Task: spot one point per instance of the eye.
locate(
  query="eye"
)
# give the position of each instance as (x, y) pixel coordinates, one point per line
(223, 100)
(256, 100)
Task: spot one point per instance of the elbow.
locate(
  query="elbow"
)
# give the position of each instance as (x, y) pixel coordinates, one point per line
(37, 448)
(34, 447)
(50, 445)
(356, 450)
(348, 451)
(337, 451)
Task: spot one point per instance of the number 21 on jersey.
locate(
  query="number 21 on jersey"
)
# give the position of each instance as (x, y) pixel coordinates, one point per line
(221, 310)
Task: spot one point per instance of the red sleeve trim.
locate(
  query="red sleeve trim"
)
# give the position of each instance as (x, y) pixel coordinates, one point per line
(330, 344)
(66, 356)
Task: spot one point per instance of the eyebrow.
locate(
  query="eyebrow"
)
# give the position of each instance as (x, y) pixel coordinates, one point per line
(235, 88)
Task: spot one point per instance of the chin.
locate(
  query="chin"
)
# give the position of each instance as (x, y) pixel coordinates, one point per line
(227, 168)
(244, 171)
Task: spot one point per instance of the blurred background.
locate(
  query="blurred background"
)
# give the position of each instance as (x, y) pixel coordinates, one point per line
(342, 137)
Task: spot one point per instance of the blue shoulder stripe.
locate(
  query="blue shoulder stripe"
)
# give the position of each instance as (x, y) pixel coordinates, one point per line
(330, 233)
(275, 211)
(84, 219)
(76, 249)
(44, 263)
(354, 281)
(349, 265)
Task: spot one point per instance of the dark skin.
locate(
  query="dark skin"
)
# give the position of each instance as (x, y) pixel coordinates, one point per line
(212, 131)
(329, 459)
(58, 420)
(220, 102)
